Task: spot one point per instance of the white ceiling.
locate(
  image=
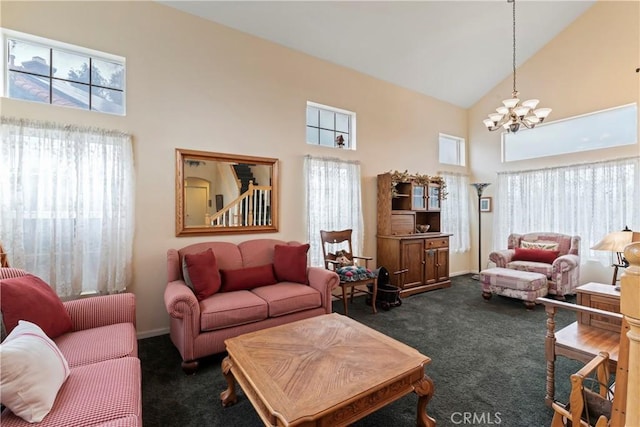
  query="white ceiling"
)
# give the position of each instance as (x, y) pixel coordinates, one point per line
(456, 51)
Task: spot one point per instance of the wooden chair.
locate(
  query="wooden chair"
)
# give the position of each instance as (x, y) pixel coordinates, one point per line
(603, 405)
(589, 403)
(4, 261)
(332, 241)
(577, 341)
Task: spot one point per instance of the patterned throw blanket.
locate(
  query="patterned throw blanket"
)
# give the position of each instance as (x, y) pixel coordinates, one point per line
(353, 273)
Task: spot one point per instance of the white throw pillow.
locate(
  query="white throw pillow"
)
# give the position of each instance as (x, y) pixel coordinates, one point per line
(547, 246)
(33, 370)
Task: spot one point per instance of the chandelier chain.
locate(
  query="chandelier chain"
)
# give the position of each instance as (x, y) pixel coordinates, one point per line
(514, 114)
(514, 47)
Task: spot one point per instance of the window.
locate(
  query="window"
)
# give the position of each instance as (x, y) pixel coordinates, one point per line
(451, 150)
(67, 205)
(455, 211)
(602, 129)
(330, 127)
(588, 200)
(334, 202)
(51, 72)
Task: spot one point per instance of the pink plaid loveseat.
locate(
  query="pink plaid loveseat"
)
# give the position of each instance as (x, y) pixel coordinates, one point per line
(563, 274)
(199, 328)
(104, 383)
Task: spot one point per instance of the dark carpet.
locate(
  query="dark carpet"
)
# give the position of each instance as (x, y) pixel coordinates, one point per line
(487, 365)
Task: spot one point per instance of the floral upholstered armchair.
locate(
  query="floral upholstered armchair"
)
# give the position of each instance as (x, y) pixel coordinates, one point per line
(555, 255)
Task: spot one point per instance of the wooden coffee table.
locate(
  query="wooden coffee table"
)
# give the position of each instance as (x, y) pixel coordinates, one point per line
(324, 371)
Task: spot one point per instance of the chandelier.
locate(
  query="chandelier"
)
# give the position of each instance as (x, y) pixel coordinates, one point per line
(514, 113)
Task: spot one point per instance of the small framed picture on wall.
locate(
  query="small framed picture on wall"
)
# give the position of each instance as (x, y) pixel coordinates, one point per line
(485, 204)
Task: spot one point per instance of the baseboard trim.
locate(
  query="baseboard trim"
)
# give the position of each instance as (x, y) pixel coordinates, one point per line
(460, 273)
(152, 333)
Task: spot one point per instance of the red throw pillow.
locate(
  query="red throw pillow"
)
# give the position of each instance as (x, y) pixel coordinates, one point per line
(535, 255)
(203, 273)
(30, 298)
(290, 263)
(248, 278)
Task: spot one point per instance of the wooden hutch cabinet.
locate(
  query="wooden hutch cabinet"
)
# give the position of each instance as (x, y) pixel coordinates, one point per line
(403, 209)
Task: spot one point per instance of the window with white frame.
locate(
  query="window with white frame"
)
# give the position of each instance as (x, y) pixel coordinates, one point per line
(451, 150)
(330, 126)
(602, 129)
(67, 204)
(51, 72)
(333, 202)
(455, 211)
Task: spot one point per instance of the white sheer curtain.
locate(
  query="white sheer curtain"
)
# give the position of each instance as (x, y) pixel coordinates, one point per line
(455, 211)
(334, 202)
(67, 204)
(589, 200)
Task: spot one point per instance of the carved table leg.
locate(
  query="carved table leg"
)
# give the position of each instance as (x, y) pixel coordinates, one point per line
(424, 389)
(550, 355)
(229, 395)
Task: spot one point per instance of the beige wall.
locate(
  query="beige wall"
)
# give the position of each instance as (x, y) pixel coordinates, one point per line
(590, 66)
(198, 85)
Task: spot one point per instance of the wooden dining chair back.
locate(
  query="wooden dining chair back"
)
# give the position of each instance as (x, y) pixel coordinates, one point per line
(332, 243)
(336, 244)
(4, 260)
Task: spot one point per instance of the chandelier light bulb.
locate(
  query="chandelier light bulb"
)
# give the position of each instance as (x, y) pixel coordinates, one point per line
(513, 113)
(495, 117)
(521, 111)
(542, 113)
(531, 103)
(511, 102)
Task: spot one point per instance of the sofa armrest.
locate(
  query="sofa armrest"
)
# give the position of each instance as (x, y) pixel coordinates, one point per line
(565, 263)
(324, 281)
(502, 258)
(181, 303)
(92, 312)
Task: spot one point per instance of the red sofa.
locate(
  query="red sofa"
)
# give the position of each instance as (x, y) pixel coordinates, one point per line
(104, 384)
(199, 328)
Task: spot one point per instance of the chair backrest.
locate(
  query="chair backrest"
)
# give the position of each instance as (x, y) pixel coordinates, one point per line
(332, 241)
(566, 244)
(4, 261)
(588, 402)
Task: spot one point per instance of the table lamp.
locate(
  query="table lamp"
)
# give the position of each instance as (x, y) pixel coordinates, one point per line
(615, 242)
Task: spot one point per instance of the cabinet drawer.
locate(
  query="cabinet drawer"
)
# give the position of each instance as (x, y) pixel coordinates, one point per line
(436, 243)
(605, 303)
(402, 224)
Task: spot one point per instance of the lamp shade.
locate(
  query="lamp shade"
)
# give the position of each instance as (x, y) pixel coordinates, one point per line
(614, 242)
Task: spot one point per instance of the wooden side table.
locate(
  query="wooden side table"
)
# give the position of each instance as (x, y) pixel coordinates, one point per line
(603, 297)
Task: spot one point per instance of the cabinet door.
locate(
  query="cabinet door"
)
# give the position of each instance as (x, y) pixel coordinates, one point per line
(433, 202)
(431, 266)
(442, 264)
(436, 255)
(418, 197)
(412, 259)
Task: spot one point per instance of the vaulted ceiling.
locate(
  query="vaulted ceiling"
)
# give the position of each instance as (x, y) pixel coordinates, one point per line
(455, 51)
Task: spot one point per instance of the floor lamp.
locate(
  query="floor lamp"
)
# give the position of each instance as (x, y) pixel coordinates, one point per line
(479, 186)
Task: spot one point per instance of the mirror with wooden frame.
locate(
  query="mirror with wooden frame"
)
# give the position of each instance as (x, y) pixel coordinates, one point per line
(220, 193)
